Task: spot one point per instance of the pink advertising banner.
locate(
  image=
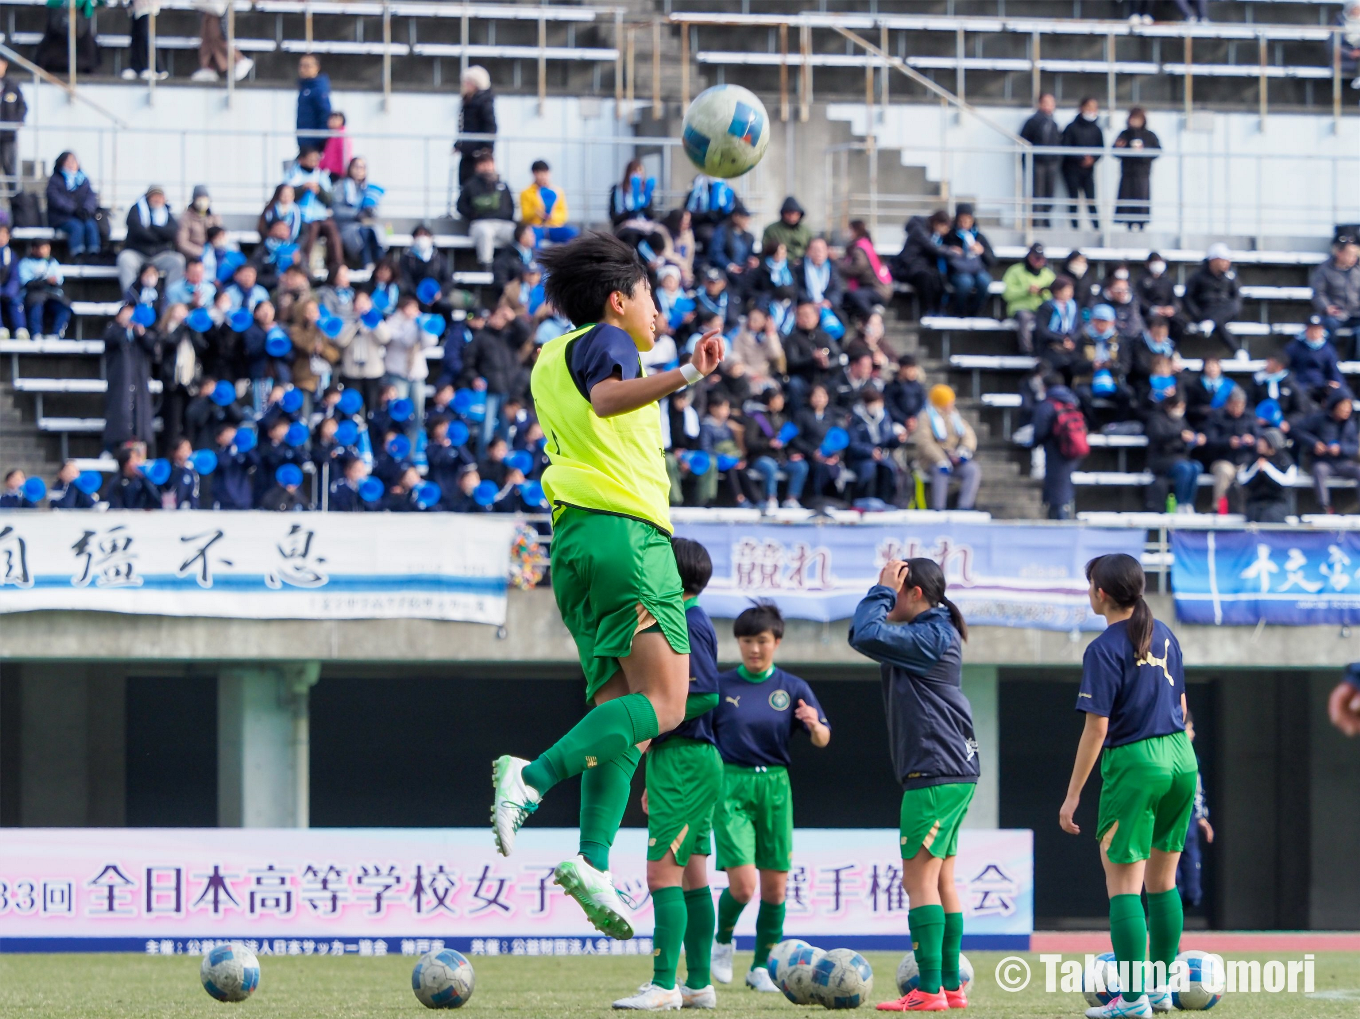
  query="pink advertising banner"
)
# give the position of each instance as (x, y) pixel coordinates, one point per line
(379, 891)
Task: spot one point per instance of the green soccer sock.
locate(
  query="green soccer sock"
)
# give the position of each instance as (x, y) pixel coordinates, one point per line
(698, 937)
(949, 951)
(607, 731)
(927, 941)
(1166, 920)
(1128, 934)
(668, 907)
(604, 798)
(729, 912)
(769, 931)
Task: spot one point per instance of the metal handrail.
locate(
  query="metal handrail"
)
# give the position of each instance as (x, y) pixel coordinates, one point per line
(71, 90)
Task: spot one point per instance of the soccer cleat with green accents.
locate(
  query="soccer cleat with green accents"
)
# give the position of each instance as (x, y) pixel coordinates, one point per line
(595, 892)
(514, 801)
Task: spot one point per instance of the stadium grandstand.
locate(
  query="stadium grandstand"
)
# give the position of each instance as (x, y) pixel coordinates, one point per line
(1015, 285)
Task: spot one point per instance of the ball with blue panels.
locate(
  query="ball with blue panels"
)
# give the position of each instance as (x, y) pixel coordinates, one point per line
(909, 974)
(1100, 982)
(726, 131)
(1204, 982)
(443, 979)
(842, 979)
(780, 955)
(796, 978)
(230, 972)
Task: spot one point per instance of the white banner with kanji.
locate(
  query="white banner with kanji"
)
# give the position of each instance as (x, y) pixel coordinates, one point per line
(258, 565)
(379, 891)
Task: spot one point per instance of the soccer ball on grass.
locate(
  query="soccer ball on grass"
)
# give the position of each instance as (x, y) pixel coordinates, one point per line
(230, 972)
(842, 979)
(796, 979)
(443, 979)
(909, 975)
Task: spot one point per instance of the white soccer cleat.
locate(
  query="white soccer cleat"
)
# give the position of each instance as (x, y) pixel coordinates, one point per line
(1160, 1001)
(759, 979)
(1138, 1008)
(651, 998)
(594, 891)
(699, 997)
(721, 963)
(514, 801)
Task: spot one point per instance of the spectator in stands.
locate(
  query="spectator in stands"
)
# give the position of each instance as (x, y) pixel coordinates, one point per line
(856, 378)
(1057, 327)
(1268, 480)
(13, 496)
(1128, 320)
(13, 110)
(178, 352)
(146, 288)
(203, 416)
(769, 454)
(312, 186)
(945, 447)
(718, 436)
(873, 437)
(544, 208)
(194, 224)
(315, 355)
(809, 353)
(422, 261)
(384, 281)
(343, 496)
(313, 105)
(1276, 382)
(774, 279)
(233, 480)
(733, 249)
(905, 396)
(676, 307)
(152, 232)
(630, 201)
(1087, 285)
(213, 59)
(817, 278)
(1314, 361)
(1102, 366)
(714, 298)
(130, 488)
(790, 230)
(491, 363)
(1206, 394)
(1171, 443)
(1079, 171)
(1042, 131)
(140, 13)
(1060, 430)
(921, 262)
(476, 116)
(512, 263)
(1331, 436)
(1026, 289)
(970, 259)
(869, 284)
(72, 208)
(1156, 293)
(64, 494)
(46, 309)
(1137, 147)
(1336, 288)
(267, 372)
(486, 205)
(243, 291)
(1212, 298)
(12, 317)
(338, 151)
(282, 208)
(1154, 343)
(181, 491)
(275, 256)
(814, 421)
(758, 348)
(194, 289)
(681, 252)
(337, 296)
(362, 355)
(1230, 445)
(405, 354)
(710, 201)
(354, 204)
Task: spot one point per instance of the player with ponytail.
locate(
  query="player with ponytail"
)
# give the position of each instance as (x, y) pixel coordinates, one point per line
(1133, 695)
(916, 634)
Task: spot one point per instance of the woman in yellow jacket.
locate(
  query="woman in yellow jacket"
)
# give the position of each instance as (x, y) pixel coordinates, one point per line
(544, 208)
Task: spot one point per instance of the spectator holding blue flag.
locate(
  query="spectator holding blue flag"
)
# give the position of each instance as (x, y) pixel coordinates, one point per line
(404, 357)
(312, 186)
(1277, 382)
(275, 256)
(130, 488)
(343, 496)
(946, 446)
(355, 204)
(544, 208)
(15, 493)
(769, 432)
(237, 462)
(710, 201)
(243, 291)
(423, 262)
(181, 491)
(266, 346)
(315, 354)
(873, 437)
(145, 289)
(814, 423)
(71, 490)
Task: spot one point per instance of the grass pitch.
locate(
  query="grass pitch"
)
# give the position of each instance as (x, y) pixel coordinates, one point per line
(125, 986)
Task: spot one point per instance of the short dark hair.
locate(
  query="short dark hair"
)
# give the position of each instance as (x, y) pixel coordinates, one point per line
(694, 564)
(538, 165)
(762, 617)
(582, 273)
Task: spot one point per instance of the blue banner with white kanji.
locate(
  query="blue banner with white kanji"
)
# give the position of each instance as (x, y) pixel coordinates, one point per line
(1290, 578)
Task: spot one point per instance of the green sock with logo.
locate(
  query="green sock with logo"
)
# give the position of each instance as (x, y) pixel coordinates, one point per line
(604, 798)
(927, 941)
(769, 931)
(949, 951)
(729, 912)
(668, 905)
(699, 937)
(607, 731)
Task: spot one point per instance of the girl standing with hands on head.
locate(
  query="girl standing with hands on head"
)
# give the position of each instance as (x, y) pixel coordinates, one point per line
(1133, 693)
(916, 634)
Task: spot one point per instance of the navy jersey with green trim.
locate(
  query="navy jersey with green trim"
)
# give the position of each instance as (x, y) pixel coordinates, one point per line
(754, 721)
(1140, 696)
(703, 675)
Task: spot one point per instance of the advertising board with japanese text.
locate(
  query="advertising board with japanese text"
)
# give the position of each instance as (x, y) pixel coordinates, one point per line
(380, 891)
(258, 565)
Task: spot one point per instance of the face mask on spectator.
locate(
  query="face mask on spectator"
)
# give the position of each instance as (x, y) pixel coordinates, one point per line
(424, 245)
(1156, 268)
(202, 204)
(1121, 274)
(1315, 344)
(1090, 117)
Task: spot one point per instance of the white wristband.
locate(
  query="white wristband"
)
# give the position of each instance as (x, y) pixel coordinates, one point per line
(691, 373)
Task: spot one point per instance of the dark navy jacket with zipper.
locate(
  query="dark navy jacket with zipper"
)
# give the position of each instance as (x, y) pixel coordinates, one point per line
(930, 723)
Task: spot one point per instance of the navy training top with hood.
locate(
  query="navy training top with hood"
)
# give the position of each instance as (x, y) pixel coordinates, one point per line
(703, 674)
(930, 722)
(1140, 696)
(754, 720)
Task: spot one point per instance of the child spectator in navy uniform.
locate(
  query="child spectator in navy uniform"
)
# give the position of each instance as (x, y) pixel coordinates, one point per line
(65, 494)
(130, 488)
(461, 500)
(446, 460)
(13, 321)
(313, 104)
(1313, 360)
(283, 498)
(402, 497)
(14, 497)
(1276, 382)
(46, 309)
(873, 437)
(1057, 406)
(182, 490)
(1331, 436)
(344, 491)
(232, 487)
(1268, 481)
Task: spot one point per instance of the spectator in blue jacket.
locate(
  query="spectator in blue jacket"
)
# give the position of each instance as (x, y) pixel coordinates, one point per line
(710, 201)
(313, 104)
(1331, 436)
(1313, 360)
(12, 316)
(44, 300)
(71, 207)
(733, 249)
(231, 482)
(873, 437)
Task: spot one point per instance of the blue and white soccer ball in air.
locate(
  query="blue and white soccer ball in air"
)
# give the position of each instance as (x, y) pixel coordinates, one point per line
(1100, 983)
(1206, 980)
(842, 979)
(726, 131)
(909, 974)
(230, 972)
(443, 979)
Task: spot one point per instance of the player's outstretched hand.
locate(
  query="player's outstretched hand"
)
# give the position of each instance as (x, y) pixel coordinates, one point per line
(806, 713)
(894, 574)
(1343, 708)
(1065, 821)
(708, 352)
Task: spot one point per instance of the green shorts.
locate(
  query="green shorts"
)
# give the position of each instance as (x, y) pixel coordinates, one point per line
(684, 781)
(932, 816)
(1147, 794)
(753, 822)
(614, 577)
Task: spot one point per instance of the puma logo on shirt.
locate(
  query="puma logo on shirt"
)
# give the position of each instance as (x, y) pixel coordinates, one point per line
(1148, 659)
(734, 701)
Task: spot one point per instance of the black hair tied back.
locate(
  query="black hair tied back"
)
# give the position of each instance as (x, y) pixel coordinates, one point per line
(927, 575)
(1121, 577)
